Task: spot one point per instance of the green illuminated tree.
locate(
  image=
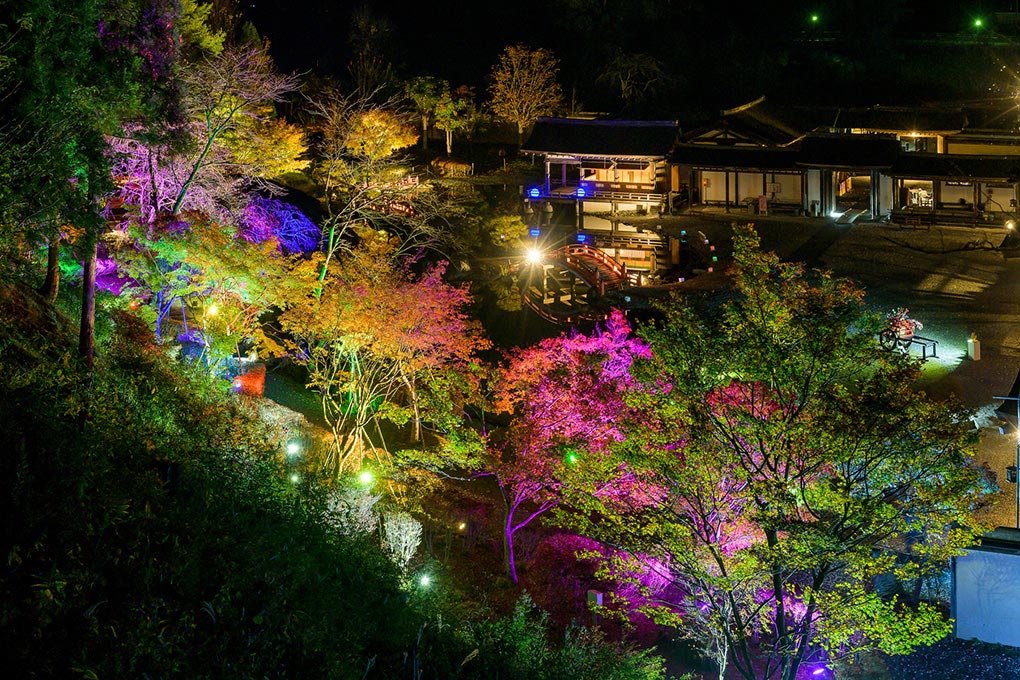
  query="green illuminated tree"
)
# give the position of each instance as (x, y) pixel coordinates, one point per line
(796, 463)
(452, 114)
(77, 77)
(426, 92)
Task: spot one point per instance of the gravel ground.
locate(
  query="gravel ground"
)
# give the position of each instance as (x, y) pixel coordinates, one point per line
(953, 659)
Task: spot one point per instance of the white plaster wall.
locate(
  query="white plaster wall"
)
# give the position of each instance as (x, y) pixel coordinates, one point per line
(814, 187)
(716, 189)
(987, 597)
(789, 188)
(885, 194)
(951, 194)
(750, 185)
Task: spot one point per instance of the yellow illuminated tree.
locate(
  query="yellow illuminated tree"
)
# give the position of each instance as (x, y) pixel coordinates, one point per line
(377, 133)
(524, 86)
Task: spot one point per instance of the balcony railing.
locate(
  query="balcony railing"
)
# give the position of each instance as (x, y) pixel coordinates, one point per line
(618, 191)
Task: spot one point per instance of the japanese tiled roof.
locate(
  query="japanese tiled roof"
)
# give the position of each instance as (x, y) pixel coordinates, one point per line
(1001, 115)
(758, 123)
(936, 165)
(901, 119)
(848, 151)
(742, 157)
(611, 138)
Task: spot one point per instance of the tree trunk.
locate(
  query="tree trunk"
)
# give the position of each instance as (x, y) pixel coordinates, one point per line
(449, 142)
(51, 286)
(508, 546)
(425, 133)
(87, 330)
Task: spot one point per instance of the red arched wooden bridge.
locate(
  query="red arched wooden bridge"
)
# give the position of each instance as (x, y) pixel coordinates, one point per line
(567, 284)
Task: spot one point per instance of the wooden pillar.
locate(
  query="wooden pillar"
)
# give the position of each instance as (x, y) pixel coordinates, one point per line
(805, 203)
(876, 194)
(726, 181)
(548, 187)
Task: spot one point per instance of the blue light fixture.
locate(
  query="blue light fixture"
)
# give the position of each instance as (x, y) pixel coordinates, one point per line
(582, 238)
(535, 232)
(534, 192)
(581, 193)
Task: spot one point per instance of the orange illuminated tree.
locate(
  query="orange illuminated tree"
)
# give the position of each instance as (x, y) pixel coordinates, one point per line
(383, 343)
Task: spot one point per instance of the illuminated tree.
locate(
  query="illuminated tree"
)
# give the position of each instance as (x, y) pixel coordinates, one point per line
(401, 538)
(524, 86)
(196, 30)
(79, 77)
(227, 99)
(451, 114)
(426, 92)
(196, 262)
(365, 182)
(796, 464)
(376, 134)
(382, 343)
(566, 397)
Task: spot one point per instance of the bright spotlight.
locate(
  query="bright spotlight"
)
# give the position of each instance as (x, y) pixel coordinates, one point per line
(534, 256)
(212, 310)
(293, 448)
(1010, 224)
(425, 580)
(365, 478)
(295, 478)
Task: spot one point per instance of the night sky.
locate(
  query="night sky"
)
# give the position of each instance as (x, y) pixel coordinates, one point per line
(764, 48)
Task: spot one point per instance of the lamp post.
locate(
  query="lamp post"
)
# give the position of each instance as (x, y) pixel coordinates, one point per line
(1016, 466)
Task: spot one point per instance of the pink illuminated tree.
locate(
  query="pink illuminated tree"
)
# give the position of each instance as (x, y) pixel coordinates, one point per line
(566, 397)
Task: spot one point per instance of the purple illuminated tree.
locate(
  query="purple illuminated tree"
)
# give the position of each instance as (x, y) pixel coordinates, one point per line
(271, 219)
(566, 397)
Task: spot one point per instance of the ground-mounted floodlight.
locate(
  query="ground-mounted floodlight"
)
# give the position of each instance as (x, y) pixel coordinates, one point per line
(534, 256)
